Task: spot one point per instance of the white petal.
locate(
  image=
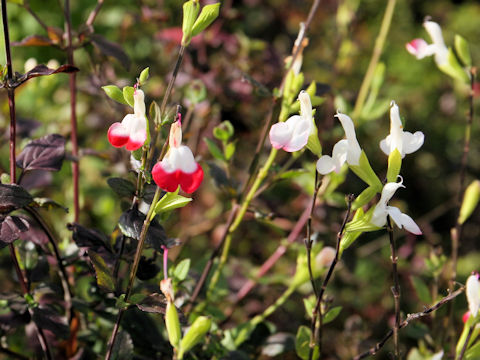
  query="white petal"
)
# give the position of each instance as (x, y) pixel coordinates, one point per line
(403, 220)
(139, 103)
(473, 294)
(128, 122)
(339, 153)
(385, 145)
(437, 356)
(396, 129)
(280, 134)
(181, 158)
(354, 150)
(388, 191)
(412, 142)
(419, 48)
(435, 32)
(325, 165)
(305, 104)
(379, 216)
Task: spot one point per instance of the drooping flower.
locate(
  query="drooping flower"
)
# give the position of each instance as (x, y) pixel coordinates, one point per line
(345, 150)
(405, 142)
(473, 293)
(420, 48)
(178, 168)
(382, 210)
(132, 131)
(292, 135)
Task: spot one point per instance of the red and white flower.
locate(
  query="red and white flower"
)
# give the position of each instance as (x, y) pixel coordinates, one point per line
(132, 131)
(179, 167)
(420, 48)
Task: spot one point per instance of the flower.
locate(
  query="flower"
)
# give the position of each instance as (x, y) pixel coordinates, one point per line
(178, 168)
(345, 150)
(405, 142)
(473, 293)
(132, 131)
(420, 48)
(292, 135)
(379, 216)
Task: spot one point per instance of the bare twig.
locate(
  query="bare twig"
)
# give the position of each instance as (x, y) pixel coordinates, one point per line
(395, 287)
(410, 317)
(94, 13)
(316, 332)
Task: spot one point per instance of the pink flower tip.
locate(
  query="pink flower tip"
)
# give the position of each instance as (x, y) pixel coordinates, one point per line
(465, 317)
(417, 47)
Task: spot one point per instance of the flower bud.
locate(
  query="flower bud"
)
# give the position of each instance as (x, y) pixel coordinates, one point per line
(470, 201)
(195, 334)
(173, 325)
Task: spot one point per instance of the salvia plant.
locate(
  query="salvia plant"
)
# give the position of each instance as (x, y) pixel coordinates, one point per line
(161, 239)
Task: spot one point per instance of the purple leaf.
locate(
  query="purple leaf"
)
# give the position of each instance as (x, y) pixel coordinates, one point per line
(10, 229)
(156, 303)
(46, 153)
(43, 70)
(48, 319)
(109, 48)
(13, 197)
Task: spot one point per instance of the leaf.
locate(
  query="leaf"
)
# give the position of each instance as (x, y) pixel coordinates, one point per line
(109, 48)
(224, 131)
(331, 314)
(214, 150)
(48, 319)
(181, 270)
(208, 14)
(122, 187)
(43, 70)
(462, 50)
(48, 204)
(302, 343)
(142, 79)
(364, 197)
(34, 40)
(471, 197)
(13, 197)
(103, 273)
(10, 229)
(144, 332)
(365, 172)
(114, 93)
(421, 289)
(171, 201)
(128, 95)
(131, 223)
(91, 240)
(229, 150)
(154, 113)
(46, 153)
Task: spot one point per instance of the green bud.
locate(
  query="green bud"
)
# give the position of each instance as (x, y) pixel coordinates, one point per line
(195, 334)
(463, 52)
(142, 79)
(190, 13)
(196, 92)
(394, 165)
(223, 131)
(208, 14)
(470, 201)
(128, 95)
(5, 178)
(173, 325)
(114, 93)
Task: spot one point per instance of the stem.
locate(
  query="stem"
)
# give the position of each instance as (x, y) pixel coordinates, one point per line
(94, 13)
(410, 317)
(272, 308)
(133, 271)
(316, 338)
(467, 340)
(377, 51)
(308, 239)
(26, 6)
(73, 112)
(395, 288)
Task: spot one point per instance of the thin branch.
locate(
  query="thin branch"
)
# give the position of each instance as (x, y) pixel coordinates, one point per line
(465, 344)
(316, 337)
(404, 323)
(27, 7)
(94, 13)
(396, 286)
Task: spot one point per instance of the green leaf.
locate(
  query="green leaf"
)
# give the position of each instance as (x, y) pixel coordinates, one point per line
(364, 197)
(114, 93)
(154, 113)
(421, 289)
(453, 68)
(302, 343)
(224, 131)
(309, 304)
(128, 95)
(171, 201)
(229, 150)
(196, 333)
(142, 79)
(181, 270)
(470, 201)
(190, 13)
(208, 14)
(103, 273)
(214, 150)
(365, 172)
(394, 165)
(463, 52)
(331, 314)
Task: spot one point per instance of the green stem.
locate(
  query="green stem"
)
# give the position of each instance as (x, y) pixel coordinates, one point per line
(272, 308)
(262, 174)
(377, 51)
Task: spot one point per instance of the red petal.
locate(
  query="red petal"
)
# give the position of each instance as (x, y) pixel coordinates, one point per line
(164, 180)
(190, 182)
(116, 136)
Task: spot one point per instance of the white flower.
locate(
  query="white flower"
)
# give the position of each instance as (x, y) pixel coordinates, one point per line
(437, 356)
(345, 150)
(473, 293)
(382, 210)
(405, 142)
(420, 48)
(292, 135)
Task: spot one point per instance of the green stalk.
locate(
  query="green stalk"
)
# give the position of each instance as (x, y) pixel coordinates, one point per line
(377, 51)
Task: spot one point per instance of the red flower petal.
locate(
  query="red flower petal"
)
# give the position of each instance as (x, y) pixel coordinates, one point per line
(117, 136)
(164, 180)
(190, 182)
